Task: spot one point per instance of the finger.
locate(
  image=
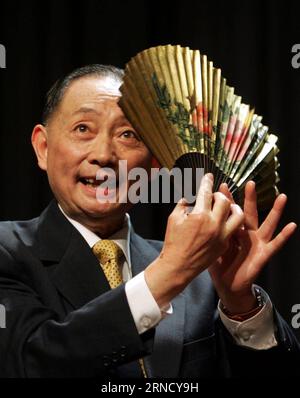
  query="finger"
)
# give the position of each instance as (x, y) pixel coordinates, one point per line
(269, 226)
(204, 196)
(223, 188)
(234, 221)
(279, 241)
(221, 207)
(250, 206)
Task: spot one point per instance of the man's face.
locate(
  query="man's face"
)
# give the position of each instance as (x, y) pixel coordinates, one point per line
(87, 132)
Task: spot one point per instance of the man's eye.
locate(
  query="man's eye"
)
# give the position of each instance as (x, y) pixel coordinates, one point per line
(82, 128)
(129, 134)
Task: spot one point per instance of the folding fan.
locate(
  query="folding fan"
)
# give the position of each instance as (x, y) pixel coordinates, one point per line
(188, 116)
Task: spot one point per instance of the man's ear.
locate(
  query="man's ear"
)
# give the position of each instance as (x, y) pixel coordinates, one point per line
(39, 140)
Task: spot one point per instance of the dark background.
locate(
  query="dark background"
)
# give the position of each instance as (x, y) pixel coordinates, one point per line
(250, 41)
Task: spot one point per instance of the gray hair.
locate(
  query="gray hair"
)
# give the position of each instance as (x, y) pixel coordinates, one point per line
(55, 94)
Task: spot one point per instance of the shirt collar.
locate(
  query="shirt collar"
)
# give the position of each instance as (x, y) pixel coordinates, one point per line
(120, 237)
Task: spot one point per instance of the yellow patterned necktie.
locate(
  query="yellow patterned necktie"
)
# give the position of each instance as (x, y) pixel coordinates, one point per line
(109, 254)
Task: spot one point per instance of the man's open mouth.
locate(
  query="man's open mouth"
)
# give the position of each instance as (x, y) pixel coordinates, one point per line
(91, 182)
(95, 183)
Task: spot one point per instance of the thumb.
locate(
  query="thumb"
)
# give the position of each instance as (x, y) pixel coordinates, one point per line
(235, 220)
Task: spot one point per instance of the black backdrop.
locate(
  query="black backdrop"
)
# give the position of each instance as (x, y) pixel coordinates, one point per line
(250, 41)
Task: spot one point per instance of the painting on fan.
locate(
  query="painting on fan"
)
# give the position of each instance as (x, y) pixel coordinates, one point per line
(188, 116)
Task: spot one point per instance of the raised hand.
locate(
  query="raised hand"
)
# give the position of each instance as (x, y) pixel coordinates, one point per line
(193, 241)
(249, 251)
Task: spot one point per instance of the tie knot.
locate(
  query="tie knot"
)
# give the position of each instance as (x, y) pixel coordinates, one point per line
(106, 250)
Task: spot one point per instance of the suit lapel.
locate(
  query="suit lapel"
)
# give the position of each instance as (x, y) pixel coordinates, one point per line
(77, 275)
(168, 341)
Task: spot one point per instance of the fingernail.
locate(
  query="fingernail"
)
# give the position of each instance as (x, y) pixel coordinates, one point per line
(209, 176)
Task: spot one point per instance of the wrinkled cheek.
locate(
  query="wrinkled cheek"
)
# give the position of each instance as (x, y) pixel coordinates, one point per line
(60, 172)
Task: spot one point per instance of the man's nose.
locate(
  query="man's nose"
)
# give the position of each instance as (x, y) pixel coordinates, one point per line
(102, 151)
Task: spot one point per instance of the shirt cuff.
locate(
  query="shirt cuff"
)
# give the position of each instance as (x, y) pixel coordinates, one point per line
(144, 309)
(257, 332)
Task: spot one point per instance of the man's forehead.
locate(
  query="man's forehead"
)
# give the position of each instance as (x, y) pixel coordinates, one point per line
(91, 90)
(109, 86)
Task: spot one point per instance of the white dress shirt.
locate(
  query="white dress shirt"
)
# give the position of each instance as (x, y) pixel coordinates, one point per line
(256, 332)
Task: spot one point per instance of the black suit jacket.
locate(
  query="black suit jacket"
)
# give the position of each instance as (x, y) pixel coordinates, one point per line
(62, 319)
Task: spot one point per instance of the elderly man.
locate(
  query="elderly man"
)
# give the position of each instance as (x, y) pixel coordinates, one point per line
(85, 296)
